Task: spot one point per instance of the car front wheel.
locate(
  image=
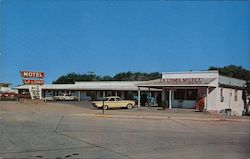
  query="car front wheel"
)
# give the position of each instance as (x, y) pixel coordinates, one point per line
(130, 106)
(105, 107)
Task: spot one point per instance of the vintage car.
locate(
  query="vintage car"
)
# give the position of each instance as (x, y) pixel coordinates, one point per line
(114, 102)
(65, 97)
(8, 95)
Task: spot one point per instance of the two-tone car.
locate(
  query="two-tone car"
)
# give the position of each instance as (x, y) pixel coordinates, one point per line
(114, 102)
(65, 97)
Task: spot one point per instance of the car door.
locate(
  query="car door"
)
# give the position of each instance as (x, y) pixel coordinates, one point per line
(119, 102)
(111, 103)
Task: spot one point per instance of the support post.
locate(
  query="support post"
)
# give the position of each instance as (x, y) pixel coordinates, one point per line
(139, 97)
(103, 94)
(115, 93)
(170, 99)
(163, 95)
(79, 95)
(206, 104)
(149, 95)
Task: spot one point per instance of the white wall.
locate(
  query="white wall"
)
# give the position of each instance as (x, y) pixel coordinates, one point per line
(212, 99)
(229, 101)
(8, 89)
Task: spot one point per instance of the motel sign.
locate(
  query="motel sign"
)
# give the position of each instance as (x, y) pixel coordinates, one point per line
(32, 78)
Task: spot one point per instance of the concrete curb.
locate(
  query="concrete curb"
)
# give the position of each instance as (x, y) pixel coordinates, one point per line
(163, 117)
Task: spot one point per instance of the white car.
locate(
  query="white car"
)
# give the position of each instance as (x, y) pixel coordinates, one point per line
(114, 102)
(65, 97)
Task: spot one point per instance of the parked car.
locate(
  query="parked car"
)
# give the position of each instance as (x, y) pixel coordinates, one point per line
(8, 95)
(114, 102)
(65, 97)
(24, 96)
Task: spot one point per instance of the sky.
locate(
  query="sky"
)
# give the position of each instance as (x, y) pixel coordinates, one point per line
(107, 37)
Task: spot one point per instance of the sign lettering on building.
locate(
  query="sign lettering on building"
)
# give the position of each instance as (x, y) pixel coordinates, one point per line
(180, 80)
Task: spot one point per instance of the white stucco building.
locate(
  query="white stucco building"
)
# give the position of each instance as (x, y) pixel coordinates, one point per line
(94, 90)
(5, 88)
(179, 89)
(182, 89)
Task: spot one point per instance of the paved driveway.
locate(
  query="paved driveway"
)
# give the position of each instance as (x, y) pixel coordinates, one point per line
(65, 131)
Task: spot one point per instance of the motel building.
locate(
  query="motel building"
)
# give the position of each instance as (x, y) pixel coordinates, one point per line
(93, 90)
(180, 90)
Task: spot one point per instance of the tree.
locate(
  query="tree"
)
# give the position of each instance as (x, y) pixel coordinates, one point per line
(236, 72)
(71, 78)
(233, 71)
(123, 76)
(136, 76)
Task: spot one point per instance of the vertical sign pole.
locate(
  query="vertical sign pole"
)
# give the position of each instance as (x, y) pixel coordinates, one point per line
(103, 106)
(170, 98)
(139, 97)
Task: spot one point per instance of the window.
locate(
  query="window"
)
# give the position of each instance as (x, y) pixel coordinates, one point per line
(88, 93)
(221, 95)
(113, 93)
(112, 99)
(119, 94)
(235, 95)
(179, 94)
(108, 93)
(102, 93)
(129, 95)
(191, 94)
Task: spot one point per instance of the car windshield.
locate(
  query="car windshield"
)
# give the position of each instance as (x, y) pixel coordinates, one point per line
(105, 99)
(118, 99)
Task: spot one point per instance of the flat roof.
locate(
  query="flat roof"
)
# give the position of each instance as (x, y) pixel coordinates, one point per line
(231, 82)
(190, 72)
(93, 85)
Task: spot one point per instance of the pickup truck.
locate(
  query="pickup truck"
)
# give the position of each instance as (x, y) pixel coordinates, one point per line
(65, 97)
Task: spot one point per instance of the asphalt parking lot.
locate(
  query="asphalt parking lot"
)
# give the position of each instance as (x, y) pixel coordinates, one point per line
(56, 130)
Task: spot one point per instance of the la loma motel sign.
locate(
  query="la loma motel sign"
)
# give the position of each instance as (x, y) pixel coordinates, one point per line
(32, 78)
(33, 82)
(29, 74)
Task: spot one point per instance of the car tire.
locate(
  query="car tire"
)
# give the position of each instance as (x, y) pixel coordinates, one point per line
(105, 107)
(130, 106)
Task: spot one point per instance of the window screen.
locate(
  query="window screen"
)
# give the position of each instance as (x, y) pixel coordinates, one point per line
(235, 95)
(179, 94)
(191, 94)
